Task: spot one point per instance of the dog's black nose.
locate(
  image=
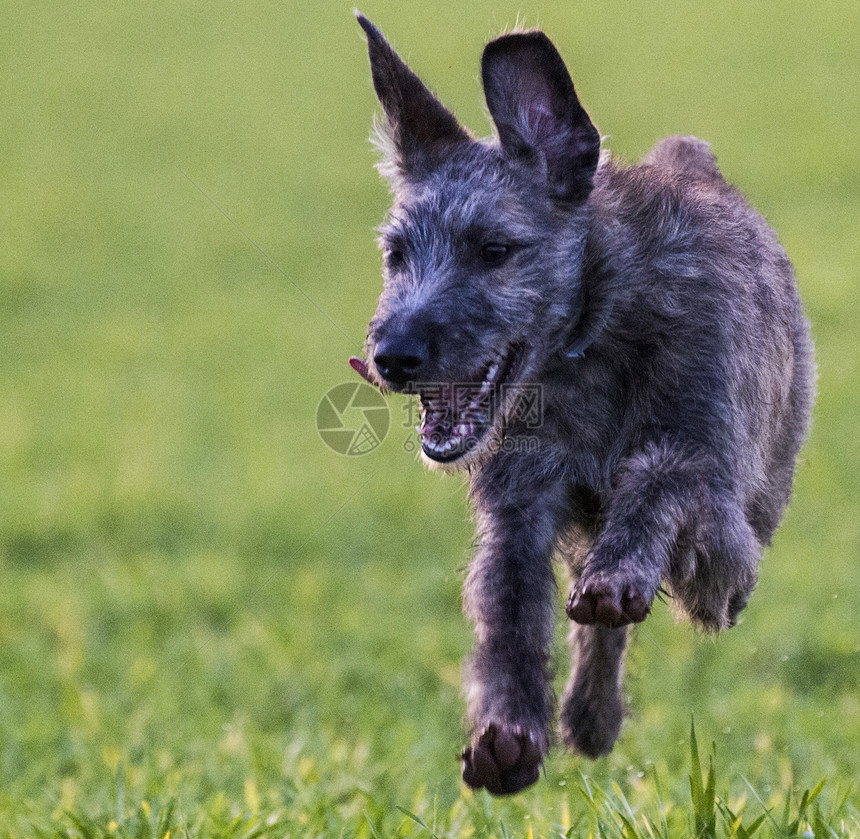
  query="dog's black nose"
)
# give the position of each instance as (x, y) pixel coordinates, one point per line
(400, 358)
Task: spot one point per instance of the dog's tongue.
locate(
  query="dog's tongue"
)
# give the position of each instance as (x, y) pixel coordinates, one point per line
(360, 367)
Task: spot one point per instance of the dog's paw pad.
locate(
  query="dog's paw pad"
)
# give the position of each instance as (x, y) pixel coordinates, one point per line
(608, 603)
(502, 760)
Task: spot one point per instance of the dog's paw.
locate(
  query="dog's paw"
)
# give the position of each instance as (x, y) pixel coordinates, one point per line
(609, 600)
(591, 722)
(502, 760)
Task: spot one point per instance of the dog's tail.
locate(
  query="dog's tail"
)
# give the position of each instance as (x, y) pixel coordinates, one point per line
(684, 155)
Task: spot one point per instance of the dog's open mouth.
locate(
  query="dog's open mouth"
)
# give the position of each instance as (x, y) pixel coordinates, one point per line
(455, 416)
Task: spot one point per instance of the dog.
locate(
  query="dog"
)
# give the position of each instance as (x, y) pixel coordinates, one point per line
(656, 319)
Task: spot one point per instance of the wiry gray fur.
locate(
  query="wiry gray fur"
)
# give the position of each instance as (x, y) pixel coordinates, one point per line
(659, 317)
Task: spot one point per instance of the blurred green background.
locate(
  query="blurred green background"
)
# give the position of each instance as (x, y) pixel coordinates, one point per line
(199, 601)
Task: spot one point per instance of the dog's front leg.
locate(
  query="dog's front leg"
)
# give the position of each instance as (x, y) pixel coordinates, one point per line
(509, 596)
(656, 495)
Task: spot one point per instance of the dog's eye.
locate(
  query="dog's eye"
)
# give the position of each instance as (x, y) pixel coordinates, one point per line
(494, 252)
(395, 258)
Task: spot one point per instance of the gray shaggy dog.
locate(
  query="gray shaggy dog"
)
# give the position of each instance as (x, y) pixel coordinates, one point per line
(619, 358)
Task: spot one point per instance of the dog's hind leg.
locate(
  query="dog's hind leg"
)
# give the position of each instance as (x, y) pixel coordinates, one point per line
(712, 580)
(509, 595)
(591, 707)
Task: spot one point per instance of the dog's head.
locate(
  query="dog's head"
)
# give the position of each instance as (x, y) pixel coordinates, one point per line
(484, 243)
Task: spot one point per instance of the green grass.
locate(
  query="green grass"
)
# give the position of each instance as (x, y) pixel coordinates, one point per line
(213, 625)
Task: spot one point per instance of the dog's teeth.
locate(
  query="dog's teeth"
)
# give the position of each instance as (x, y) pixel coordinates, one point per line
(450, 420)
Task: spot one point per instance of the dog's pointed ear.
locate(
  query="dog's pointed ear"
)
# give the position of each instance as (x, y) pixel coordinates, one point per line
(537, 113)
(418, 127)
